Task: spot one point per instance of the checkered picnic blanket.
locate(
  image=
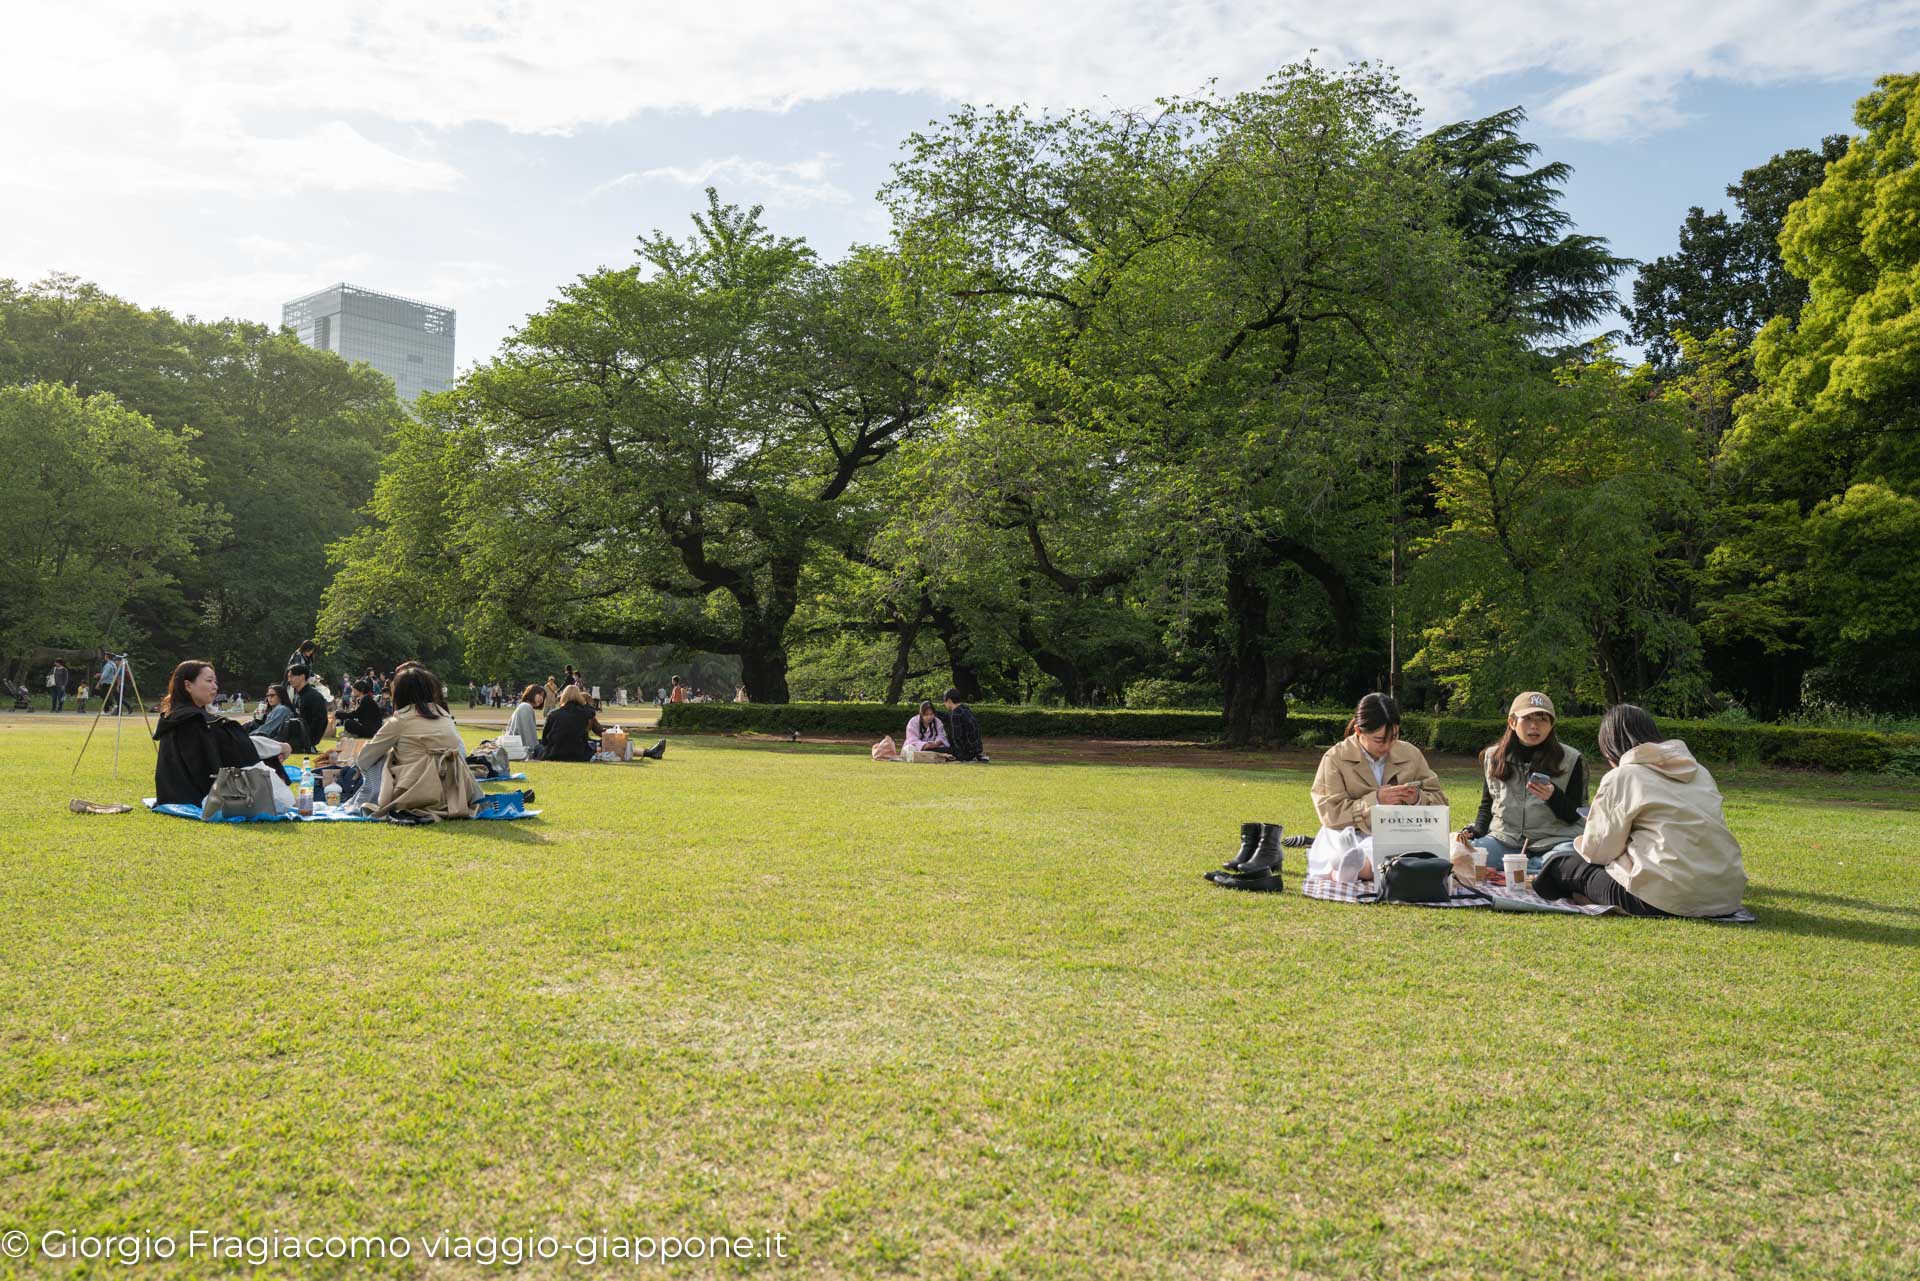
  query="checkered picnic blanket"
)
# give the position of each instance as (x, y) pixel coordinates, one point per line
(1500, 897)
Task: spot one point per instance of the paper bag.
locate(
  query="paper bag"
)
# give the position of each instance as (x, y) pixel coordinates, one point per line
(1409, 829)
(615, 741)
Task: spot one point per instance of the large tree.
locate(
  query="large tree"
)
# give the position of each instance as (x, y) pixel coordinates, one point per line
(1247, 301)
(286, 441)
(1549, 568)
(95, 501)
(1827, 449)
(657, 456)
(1554, 281)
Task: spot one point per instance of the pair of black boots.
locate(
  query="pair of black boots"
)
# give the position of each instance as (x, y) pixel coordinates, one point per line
(1257, 865)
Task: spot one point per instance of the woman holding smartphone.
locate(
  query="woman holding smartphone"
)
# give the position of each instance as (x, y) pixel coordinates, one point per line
(1532, 790)
(1371, 766)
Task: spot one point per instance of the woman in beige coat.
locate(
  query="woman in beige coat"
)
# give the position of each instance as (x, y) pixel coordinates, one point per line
(424, 756)
(1370, 766)
(1657, 842)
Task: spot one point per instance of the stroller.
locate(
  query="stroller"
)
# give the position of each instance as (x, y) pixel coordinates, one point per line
(22, 697)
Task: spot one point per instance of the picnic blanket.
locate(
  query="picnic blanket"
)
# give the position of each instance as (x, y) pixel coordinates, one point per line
(322, 814)
(298, 775)
(1501, 898)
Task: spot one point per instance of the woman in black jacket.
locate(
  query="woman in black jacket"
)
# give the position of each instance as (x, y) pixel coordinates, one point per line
(195, 743)
(568, 725)
(365, 719)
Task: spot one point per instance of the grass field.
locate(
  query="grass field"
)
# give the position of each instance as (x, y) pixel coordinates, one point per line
(952, 1022)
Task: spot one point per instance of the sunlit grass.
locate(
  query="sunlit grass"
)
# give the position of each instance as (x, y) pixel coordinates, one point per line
(943, 1021)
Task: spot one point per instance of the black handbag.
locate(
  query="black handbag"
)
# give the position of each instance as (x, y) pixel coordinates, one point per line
(1415, 878)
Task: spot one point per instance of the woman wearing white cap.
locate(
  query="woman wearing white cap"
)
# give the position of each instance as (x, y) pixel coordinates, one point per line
(1532, 790)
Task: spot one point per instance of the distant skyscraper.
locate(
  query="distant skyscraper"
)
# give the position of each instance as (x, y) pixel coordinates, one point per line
(410, 342)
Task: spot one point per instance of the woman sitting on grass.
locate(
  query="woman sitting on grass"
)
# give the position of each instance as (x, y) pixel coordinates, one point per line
(421, 757)
(926, 736)
(366, 717)
(522, 722)
(1370, 766)
(272, 722)
(1656, 842)
(194, 742)
(568, 728)
(1533, 789)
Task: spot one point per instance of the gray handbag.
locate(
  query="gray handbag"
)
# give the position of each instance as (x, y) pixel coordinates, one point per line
(239, 792)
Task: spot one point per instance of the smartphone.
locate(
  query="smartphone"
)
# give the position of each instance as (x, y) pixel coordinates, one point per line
(1545, 780)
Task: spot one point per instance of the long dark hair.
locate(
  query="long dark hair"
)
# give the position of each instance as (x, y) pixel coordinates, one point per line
(184, 675)
(1509, 756)
(1624, 728)
(1374, 713)
(418, 688)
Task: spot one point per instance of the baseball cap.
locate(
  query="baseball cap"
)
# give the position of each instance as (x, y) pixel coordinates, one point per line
(1532, 701)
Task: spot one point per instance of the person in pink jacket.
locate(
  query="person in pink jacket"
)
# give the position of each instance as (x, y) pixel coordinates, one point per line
(926, 733)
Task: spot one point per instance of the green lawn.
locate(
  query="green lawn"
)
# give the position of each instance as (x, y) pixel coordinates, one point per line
(953, 1022)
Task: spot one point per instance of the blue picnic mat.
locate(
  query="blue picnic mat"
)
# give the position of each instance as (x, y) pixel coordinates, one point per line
(296, 776)
(321, 814)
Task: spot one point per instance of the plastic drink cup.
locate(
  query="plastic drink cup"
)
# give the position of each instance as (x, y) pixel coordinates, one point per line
(333, 794)
(1515, 866)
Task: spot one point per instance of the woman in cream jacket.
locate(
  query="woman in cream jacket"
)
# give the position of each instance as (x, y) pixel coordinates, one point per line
(1657, 842)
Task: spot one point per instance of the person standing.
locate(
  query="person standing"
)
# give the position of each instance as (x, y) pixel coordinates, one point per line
(679, 692)
(57, 682)
(113, 695)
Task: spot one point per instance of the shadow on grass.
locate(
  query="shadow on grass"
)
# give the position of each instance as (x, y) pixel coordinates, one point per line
(1838, 900)
(1786, 920)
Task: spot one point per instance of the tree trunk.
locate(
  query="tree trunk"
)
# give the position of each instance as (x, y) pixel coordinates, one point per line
(902, 661)
(763, 670)
(1255, 680)
(953, 635)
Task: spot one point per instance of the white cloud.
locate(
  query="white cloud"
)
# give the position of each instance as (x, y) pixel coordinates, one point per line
(799, 182)
(184, 96)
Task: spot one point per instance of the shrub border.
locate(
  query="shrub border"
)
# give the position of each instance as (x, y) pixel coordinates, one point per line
(1787, 746)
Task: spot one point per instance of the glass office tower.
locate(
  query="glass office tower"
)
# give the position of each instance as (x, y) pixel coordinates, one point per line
(410, 342)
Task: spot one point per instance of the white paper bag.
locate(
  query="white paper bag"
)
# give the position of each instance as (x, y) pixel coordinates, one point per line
(511, 744)
(1409, 829)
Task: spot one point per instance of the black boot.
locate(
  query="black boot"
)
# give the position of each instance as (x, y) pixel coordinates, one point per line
(1266, 858)
(657, 752)
(1249, 842)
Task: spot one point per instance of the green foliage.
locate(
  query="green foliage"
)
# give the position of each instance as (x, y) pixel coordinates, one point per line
(95, 502)
(1546, 571)
(657, 458)
(1816, 565)
(286, 443)
(1727, 273)
(1233, 311)
(1554, 281)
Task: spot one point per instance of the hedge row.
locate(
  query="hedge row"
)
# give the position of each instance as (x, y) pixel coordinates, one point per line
(878, 718)
(1713, 742)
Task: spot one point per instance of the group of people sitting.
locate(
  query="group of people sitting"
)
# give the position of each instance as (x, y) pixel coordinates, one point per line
(413, 763)
(928, 739)
(572, 731)
(1653, 842)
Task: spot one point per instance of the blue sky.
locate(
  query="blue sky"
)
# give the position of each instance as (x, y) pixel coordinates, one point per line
(217, 160)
